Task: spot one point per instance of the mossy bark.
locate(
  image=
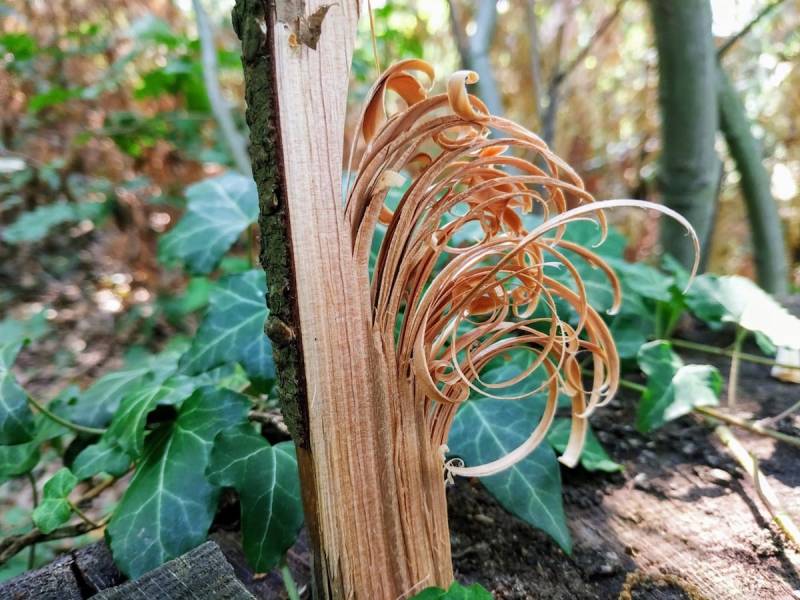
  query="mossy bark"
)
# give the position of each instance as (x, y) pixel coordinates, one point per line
(283, 323)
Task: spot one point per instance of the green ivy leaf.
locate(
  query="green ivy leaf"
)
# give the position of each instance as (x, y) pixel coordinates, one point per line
(16, 418)
(96, 406)
(269, 490)
(35, 225)
(456, 591)
(127, 429)
(18, 459)
(55, 509)
(218, 211)
(102, 457)
(736, 299)
(673, 389)
(487, 429)
(169, 504)
(644, 280)
(593, 457)
(233, 329)
(30, 330)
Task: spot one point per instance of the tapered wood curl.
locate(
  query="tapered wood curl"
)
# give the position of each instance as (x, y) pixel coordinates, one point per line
(464, 266)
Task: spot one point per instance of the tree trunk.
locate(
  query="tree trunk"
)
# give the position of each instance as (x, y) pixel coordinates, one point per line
(687, 95)
(373, 488)
(475, 50)
(769, 248)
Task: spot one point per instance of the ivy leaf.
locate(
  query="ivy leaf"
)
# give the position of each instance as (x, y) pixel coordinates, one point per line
(269, 490)
(233, 329)
(55, 509)
(644, 280)
(96, 406)
(18, 459)
(736, 299)
(456, 591)
(101, 457)
(593, 457)
(487, 429)
(169, 504)
(16, 418)
(34, 225)
(673, 389)
(127, 429)
(218, 211)
(14, 330)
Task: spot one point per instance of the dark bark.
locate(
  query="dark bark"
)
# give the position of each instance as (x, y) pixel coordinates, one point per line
(766, 229)
(687, 93)
(283, 323)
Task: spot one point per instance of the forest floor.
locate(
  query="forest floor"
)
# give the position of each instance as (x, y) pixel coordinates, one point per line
(679, 522)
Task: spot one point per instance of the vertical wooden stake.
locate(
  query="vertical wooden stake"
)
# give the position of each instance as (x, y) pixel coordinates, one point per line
(372, 484)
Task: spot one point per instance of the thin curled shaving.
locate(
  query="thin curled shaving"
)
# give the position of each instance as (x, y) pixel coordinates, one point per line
(462, 279)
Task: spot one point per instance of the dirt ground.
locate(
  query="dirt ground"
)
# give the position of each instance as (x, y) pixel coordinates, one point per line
(680, 522)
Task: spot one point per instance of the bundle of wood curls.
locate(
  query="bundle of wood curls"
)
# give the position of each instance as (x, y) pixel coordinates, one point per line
(442, 311)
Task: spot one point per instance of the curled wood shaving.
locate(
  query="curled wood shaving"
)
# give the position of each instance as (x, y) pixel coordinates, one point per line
(445, 309)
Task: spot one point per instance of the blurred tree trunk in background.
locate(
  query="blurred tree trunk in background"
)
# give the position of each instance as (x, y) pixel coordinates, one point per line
(688, 97)
(474, 49)
(766, 229)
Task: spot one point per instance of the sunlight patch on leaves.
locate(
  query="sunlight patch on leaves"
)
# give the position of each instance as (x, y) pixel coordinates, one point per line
(673, 388)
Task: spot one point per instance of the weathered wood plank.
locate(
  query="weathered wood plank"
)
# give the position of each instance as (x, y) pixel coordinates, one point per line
(201, 574)
(74, 576)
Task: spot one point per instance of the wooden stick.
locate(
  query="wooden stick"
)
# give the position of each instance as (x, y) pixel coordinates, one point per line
(373, 490)
(765, 492)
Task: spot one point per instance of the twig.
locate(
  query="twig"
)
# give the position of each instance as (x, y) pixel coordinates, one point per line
(64, 422)
(733, 376)
(748, 425)
(732, 40)
(561, 75)
(753, 358)
(782, 415)
(92, 493)
(289, 583)
(35, 493)
(764, 490)
(14, 544)
(219, 107)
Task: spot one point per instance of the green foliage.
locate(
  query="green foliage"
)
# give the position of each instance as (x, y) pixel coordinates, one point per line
(456, 591)
(55, 508)
(234, 329)
(16, 418)
(734, 299)
(218, 211)
(35, 225)
(269, 491)
(487, 429)
(594, 456)
(673, 389)
(169, 504)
